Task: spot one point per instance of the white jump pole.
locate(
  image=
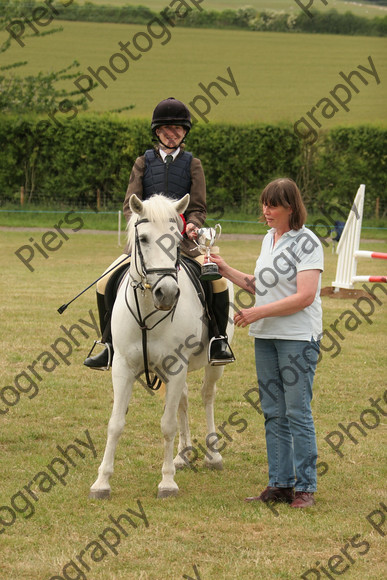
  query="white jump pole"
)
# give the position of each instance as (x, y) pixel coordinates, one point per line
(348, 249)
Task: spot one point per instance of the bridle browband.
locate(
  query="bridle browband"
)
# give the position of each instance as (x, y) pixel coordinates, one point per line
(143, 284)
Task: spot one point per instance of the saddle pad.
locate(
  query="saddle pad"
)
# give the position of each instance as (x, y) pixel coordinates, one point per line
(113, 284)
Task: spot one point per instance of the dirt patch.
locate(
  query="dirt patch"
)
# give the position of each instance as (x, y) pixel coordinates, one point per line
(333, 292)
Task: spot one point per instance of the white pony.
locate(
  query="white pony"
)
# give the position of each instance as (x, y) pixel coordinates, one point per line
(159, 326)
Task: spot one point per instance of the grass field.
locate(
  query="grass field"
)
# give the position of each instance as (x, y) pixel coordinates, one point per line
(208, 528)
(361, 9)
(279, 77)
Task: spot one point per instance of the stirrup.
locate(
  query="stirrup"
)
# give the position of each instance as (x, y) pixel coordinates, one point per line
(109, 349)
(220, 361)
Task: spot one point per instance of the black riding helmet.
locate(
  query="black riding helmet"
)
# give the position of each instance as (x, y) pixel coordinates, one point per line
(171, 112)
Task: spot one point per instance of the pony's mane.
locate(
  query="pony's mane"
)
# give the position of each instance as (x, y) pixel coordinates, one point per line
(157, 208)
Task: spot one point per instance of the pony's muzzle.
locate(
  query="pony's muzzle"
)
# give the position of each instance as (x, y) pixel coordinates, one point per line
(165, 296)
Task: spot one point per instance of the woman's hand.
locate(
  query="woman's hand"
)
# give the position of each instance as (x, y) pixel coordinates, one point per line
(218, 260)
(246, 316)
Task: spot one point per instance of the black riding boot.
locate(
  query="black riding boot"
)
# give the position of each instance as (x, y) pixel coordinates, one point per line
(220, 351)
(103, 360)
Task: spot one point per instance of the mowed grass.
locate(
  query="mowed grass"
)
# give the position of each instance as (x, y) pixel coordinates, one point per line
(289, 6)
(208, 525)
(279, 77)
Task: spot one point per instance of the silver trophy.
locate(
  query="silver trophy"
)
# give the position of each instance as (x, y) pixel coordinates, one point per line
(205, 240)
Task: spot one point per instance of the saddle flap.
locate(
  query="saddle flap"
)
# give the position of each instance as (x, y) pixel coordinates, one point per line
(113, 284)
(202, 287)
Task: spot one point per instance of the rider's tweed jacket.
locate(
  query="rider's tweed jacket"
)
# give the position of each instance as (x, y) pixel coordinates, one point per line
(185, 174)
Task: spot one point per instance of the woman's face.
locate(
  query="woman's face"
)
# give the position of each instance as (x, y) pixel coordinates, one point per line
(277, 217)
(171, 135)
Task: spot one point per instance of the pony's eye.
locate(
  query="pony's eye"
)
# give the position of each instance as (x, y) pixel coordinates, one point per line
(143, 239)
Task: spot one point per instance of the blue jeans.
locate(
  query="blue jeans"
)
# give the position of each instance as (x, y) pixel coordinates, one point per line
(285, 370)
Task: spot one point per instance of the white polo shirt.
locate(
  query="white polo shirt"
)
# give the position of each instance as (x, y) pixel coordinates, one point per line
(276, 277)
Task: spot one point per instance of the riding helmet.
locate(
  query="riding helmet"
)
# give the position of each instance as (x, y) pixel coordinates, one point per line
(171, 112)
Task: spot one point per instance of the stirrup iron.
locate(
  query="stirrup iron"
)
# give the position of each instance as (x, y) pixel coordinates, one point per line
(109, 349)
(221, 361)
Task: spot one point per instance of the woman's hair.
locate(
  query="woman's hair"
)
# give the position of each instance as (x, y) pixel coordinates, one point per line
(284, 192)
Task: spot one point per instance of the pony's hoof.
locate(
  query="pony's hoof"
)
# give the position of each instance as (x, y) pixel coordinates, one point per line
(162, 493)
(218, 466)
(99, 494)
(180, 464)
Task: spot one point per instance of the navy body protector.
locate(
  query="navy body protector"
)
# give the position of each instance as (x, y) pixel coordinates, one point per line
(173, 179)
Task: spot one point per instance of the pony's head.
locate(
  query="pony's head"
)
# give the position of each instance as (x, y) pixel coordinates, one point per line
(154, 238)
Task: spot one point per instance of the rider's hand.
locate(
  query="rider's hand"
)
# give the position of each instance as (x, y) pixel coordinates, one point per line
(191, 231)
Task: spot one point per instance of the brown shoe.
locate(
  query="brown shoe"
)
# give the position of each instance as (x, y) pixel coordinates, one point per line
(274, 494)
(302, 499)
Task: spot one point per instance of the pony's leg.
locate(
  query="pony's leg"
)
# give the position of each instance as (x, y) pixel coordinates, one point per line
(174, 391)
(123, 380)
(213, 458)
(181, 460)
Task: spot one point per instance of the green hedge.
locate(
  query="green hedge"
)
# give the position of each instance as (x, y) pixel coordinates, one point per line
(324, 21)
(327, 21)
(69, 164)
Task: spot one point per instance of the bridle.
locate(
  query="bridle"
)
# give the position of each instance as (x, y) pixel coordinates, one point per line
(143, 285)
(143, 272)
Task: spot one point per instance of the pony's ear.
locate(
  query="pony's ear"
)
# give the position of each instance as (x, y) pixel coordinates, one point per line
(182, 204)
(135, 204)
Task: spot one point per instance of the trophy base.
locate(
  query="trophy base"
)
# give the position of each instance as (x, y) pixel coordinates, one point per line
(210, 272)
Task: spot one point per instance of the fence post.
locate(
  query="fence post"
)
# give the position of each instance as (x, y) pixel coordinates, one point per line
(22, 195)
(98, 199)
(119, 228)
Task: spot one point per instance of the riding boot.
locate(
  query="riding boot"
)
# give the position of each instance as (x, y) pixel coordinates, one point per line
(103, 360)
(220, 351)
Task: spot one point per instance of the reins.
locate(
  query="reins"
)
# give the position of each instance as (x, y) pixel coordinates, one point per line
(143, 284)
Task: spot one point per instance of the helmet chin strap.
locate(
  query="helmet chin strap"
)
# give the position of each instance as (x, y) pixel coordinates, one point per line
(167, 146)
(156, 137)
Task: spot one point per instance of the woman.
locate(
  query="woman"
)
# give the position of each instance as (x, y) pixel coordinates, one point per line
(286, 323)
(170, 170)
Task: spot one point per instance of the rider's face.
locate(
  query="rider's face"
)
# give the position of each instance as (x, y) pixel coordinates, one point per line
(170, 135)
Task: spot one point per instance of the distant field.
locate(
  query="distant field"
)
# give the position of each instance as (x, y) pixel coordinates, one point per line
(279, 76)
(287, 5)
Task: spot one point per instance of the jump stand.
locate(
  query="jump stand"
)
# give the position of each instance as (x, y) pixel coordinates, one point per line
(348, 249)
